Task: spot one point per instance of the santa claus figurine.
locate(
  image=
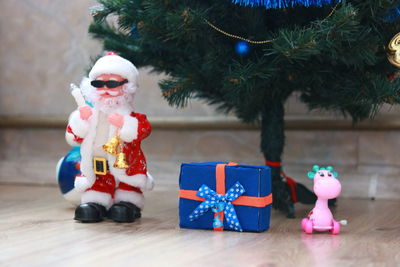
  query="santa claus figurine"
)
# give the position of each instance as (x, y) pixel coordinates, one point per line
(114, 172)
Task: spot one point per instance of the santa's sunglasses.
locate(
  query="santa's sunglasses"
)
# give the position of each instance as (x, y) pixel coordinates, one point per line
(108, 84)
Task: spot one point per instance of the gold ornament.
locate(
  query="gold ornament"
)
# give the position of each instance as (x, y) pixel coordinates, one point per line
(394, 51)
(185, 15)
(237, 36)
(112, 146)
(351, 13)
(120, 162)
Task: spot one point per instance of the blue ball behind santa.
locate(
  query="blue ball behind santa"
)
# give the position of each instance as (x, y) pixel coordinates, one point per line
(67, 168)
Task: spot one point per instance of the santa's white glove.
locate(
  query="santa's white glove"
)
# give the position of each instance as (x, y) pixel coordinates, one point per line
(81, 183)
(149, 183)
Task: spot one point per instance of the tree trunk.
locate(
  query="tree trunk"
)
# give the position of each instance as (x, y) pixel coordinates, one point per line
(272, 144)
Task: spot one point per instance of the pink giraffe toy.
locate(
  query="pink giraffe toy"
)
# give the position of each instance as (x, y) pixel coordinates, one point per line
(326, 186)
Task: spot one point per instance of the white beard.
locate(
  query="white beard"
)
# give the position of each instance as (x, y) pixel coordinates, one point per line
(111, 104)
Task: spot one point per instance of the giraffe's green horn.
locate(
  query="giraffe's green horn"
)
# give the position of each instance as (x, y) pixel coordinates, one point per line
(315, 168)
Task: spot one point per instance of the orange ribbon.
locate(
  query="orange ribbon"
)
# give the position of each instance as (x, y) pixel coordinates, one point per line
(258, 202)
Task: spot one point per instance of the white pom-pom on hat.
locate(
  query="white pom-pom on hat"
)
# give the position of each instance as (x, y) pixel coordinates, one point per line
(112, 63)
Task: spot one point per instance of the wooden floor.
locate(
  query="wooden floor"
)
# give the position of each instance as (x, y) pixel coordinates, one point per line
(36, 229)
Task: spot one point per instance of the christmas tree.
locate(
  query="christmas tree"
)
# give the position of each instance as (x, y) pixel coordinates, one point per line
(248, 57)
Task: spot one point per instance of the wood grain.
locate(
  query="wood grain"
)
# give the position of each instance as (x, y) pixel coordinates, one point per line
(37, 229)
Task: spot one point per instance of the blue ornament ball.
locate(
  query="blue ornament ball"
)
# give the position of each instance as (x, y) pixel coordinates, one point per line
(134, 32)
(242, 48)
(393, 14)
(67, 169)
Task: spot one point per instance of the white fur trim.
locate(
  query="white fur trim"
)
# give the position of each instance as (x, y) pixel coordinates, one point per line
(129, 196)
(137, 180)
(74, 197)
(82, 183)
(129, 131)
(101, 198)
(70, 138)
(87, 148)
(79, 127)
(150, 182)
(113, 64)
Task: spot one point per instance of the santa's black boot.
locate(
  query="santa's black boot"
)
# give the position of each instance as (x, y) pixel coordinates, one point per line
(124, 212)
(90, 212)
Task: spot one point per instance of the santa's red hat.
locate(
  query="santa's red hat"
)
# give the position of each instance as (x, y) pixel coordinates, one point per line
(112, 63)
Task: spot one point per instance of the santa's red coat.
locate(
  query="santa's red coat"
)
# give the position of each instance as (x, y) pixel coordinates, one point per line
(133, 151)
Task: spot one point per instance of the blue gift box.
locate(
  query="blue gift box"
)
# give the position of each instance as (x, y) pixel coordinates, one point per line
(256, 181)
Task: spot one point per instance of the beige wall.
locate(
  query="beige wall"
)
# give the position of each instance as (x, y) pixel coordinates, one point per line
(44, 46)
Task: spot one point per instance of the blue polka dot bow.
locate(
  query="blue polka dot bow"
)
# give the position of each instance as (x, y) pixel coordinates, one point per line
(218, 203)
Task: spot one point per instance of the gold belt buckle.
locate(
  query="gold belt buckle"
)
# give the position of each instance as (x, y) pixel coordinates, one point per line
(100, 166)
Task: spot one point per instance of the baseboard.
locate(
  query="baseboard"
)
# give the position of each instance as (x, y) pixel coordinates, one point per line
(303, 122)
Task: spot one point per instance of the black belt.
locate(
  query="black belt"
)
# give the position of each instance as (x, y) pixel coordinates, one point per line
(100, 166)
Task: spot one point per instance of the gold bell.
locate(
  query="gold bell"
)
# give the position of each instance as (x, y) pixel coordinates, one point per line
(112, 146)
(120, 162)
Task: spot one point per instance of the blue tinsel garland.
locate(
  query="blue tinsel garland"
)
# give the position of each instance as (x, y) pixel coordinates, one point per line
(285, 3)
